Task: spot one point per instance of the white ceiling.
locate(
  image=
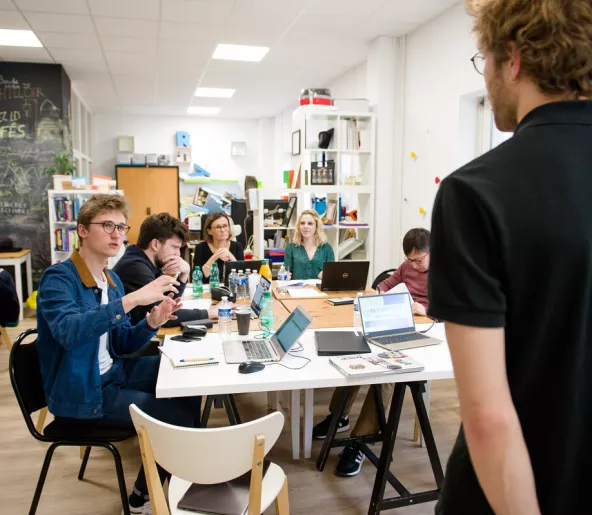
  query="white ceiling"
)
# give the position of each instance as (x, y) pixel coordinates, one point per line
(148, 56)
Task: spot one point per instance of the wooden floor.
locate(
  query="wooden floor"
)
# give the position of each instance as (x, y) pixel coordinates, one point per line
(311, 492)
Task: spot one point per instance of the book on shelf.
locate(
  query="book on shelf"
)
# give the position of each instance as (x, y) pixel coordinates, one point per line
(66, 209)
(385, 362)
(66, 239)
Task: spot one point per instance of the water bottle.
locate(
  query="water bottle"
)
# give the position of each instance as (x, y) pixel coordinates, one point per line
(214, 276)
(254, 280)
(282, 278)
(197, 283)
(224, 317)
(241, 286)
(232, 277)
(267, 316)
(357, 315)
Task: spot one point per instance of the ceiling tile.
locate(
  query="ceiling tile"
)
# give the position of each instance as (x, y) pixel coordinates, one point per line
(129, 28)
(196, 11)
(65, 55)
(133, 9)
(122, 44)
(13, 20)
(418, 11)
(87, 71)
(336, 24)
(54, 6)
(122, 64)
(346, 7)
(75, 41)
(135, 89)
(65, 23)
(25, 54)
(7, 5)
(189, 32)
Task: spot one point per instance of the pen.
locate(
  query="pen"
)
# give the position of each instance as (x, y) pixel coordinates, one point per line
(187, 360)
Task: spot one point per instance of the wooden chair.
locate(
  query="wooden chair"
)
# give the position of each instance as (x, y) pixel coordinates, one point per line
(211, 456)
(5, 338)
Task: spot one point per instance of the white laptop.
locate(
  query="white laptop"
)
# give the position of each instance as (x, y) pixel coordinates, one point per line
(274, 349)
(257, 302)
(387, 321)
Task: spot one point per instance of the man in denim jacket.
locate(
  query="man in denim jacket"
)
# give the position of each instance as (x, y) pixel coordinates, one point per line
(85, 335)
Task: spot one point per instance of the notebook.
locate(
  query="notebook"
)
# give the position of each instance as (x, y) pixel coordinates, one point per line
(386, 362)
(180, 359)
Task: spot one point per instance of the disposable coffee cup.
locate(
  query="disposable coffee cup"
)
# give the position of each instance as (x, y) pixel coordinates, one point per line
(243, 320)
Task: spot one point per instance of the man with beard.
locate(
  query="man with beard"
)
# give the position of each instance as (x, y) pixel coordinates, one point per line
(511, 269)
(158, 252)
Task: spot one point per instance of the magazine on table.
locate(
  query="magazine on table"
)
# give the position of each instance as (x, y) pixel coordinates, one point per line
(385, 362)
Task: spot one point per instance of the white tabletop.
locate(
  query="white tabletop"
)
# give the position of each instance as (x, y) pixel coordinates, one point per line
(319, 373)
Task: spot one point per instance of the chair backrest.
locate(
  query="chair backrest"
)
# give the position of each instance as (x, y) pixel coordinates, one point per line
(382, 276)
(207, 456)
(25, 376)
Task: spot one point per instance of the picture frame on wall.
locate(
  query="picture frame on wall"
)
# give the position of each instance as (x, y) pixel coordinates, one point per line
(296, 143)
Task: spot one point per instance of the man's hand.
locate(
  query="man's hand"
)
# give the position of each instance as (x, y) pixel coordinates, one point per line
(151, 293)
(162, 313)
(321, 275)
(174, 265)
(213, 312)
(418, 309)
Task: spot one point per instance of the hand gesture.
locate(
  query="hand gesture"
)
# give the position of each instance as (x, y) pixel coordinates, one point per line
(418, 309)
(155, 291)
(162, 313)
(174, 265)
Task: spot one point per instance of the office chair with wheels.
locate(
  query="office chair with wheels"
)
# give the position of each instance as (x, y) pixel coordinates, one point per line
(27, 383)
(382, 276)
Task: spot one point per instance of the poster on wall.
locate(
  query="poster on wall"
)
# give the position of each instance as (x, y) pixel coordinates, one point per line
(34, 127)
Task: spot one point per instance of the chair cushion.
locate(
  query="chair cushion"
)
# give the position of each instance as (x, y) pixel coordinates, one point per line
(86, 432)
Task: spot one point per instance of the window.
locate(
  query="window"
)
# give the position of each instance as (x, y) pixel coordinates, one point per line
(489, 137)
(81, 136)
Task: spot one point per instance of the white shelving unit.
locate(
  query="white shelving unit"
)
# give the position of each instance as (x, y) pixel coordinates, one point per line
(351, 164)
(61, 255)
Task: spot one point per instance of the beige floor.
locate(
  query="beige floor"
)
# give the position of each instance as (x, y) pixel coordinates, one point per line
(311, 492)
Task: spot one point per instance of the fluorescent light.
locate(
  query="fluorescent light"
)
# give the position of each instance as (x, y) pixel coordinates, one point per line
(203, 110)
(214, 92)
(240, 52)
(9, 37)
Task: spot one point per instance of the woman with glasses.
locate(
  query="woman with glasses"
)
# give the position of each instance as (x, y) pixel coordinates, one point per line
(217, 246)
(413, 272)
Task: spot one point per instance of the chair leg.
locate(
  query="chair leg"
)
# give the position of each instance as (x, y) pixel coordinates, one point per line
(82, 451)
(84, 462)
(42, 476)
(41, 419)
(206, 412)
(282, 503)
(120, 477)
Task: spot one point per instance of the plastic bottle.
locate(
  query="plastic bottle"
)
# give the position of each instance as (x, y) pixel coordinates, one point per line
(267, 317)
(357, 315)
(254, 280)
(241, 286)
(224, 317)
(282, 276)
(232, 280)
(214, 276)
(265, 271)
(197, 283)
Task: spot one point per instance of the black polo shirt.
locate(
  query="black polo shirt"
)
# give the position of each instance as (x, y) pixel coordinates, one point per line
(511, 247)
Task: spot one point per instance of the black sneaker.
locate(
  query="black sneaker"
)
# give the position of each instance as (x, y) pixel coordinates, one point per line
(350, 462)
(319, 432)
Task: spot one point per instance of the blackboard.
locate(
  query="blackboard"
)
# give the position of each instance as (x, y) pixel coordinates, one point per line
(34, 127)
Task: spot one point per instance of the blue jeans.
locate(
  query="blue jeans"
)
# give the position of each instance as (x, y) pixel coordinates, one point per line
(133, 381)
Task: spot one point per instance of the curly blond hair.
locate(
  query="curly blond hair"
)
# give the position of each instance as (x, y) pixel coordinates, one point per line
(553, 37)
(320, 238)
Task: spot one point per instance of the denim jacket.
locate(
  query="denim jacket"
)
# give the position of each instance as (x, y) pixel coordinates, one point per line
(70, 321)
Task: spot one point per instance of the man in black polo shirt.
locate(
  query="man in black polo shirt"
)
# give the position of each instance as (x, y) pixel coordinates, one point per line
(511, 270)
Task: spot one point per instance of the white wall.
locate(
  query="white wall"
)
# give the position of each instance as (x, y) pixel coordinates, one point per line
(210, 139)
(351, 84)
(441, 89)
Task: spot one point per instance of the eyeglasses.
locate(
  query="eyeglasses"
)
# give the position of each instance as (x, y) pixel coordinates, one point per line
(109, 227)
(418, 260)
(220, 228)
(478, 61)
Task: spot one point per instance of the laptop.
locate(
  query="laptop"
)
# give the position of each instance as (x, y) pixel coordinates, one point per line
(340, 343)
(240, 265)
(274, 349)
(345, 275)
(387, 321)
(257, 302)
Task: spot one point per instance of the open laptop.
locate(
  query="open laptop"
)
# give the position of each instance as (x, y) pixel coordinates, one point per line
(345, 275)
(257, 302)
(274, 349)
(387, 321)
(240, 265)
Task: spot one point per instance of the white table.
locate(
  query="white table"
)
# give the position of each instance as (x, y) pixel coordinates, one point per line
(16, 259)
(319, 373)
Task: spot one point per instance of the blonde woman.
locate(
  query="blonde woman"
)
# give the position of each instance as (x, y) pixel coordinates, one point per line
(309, 250)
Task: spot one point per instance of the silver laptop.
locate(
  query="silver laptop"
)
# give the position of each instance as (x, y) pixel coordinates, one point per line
(387, 321)
(274, 349)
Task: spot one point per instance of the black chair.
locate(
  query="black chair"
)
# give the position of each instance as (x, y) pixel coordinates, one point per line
(382, 276)
(25, 376)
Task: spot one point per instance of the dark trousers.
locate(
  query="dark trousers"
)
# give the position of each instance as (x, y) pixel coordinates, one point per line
(133, 381)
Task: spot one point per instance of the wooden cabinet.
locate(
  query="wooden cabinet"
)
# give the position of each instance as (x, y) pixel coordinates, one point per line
(149, 190)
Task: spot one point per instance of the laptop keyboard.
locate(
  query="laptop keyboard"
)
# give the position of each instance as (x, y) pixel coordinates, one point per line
(401, 338)
(257, 350)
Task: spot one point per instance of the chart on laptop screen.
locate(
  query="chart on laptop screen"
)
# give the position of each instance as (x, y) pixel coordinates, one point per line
(386, 313)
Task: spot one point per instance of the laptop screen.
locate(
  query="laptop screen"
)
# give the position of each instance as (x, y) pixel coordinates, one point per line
(262, 287)
(386, 314)
(292, 329)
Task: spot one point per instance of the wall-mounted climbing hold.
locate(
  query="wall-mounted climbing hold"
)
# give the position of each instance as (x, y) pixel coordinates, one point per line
(422, 211)
(413, 155)
(437, 180)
